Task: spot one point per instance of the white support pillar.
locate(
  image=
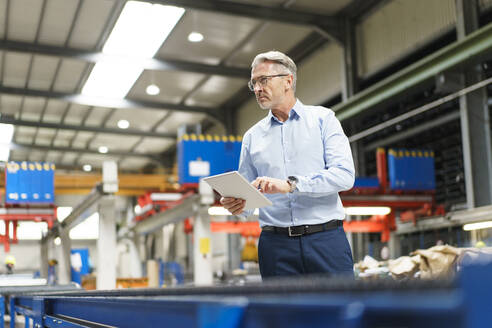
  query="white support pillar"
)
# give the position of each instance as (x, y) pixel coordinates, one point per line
(106, 244)
(202, 243)
(202, 248)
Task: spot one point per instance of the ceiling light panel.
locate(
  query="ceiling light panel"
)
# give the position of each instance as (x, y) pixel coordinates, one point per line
(138, 33)
(141, 29)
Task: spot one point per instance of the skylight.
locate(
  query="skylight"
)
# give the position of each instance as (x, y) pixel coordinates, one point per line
(138, 34)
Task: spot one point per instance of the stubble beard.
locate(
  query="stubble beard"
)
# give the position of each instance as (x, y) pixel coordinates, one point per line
(265, 105)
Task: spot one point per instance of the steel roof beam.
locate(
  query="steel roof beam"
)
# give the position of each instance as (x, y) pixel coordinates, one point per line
(20, 146)
(111, 103)
(330, 24)
(149, 64)
(127, 132)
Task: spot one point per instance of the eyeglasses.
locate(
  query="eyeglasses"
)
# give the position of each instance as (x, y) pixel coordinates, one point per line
(262, 80)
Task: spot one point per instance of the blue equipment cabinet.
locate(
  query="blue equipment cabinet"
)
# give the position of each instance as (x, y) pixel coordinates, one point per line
(29, 183)
(411, 170)
(201, 156)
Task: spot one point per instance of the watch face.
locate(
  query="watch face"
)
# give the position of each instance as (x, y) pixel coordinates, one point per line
(292, 178)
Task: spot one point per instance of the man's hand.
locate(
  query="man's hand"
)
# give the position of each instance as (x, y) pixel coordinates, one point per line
(233, 205)
(269, 185)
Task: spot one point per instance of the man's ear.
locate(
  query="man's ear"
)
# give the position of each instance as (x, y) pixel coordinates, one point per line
(290, 80)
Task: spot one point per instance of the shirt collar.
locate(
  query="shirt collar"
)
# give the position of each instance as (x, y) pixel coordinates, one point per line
(296, 110)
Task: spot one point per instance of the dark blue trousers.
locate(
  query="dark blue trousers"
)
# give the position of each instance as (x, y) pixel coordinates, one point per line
(326, 252)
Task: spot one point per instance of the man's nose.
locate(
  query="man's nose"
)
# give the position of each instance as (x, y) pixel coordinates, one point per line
(257, 87)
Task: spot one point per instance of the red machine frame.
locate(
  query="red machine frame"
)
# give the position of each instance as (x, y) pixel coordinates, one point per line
(12, 214)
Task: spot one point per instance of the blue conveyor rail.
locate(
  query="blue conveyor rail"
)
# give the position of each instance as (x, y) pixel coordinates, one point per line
(463, 302)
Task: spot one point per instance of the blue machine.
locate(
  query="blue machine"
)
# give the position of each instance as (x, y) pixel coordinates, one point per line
(365, 182)
(170, 268)
(29, 183)
(411, 170)
(83, 267)
(201, 156)
(312, 303)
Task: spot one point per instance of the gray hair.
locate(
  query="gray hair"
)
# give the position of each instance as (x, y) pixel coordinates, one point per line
(282, 60)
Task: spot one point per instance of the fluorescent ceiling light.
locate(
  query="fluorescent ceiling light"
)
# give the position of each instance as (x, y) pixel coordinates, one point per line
(112, 79)
(477, 225)
(371, 210)
(152, 90)
(123, 124)
(195, 37)
(141, 29)
(138, 34)
(87, 168)
(103, 149)
(6, 134)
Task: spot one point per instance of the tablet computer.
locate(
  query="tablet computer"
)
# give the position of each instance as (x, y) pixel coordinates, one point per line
(233, 184)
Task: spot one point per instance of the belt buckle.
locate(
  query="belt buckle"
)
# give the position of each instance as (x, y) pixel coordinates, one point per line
(293, 234)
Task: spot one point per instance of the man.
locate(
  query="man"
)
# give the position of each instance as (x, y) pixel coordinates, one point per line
(298, 156)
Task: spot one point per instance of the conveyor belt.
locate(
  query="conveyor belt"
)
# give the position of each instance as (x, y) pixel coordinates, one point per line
(305, 285)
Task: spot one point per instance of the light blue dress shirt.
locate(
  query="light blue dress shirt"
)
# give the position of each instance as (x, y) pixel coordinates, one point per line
(310, 145)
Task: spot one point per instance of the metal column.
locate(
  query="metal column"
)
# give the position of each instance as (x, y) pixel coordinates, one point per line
(233, 251)
(65, 263)
(394, 245)
(106, 244)
(349, 64)
(475, 124)
(44, 259)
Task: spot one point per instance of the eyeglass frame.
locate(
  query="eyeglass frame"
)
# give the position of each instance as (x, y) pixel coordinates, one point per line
(265, 78)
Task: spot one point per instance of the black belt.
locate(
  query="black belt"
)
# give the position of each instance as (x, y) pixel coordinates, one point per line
(296, 231)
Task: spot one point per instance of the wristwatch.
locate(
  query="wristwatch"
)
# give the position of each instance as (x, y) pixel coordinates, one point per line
(292, 181)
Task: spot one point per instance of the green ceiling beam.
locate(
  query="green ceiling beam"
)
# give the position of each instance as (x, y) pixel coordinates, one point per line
(474, 45)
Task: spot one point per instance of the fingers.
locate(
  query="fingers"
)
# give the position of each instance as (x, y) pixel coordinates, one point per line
(266, 185)
(238, 208)
(233, 205)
